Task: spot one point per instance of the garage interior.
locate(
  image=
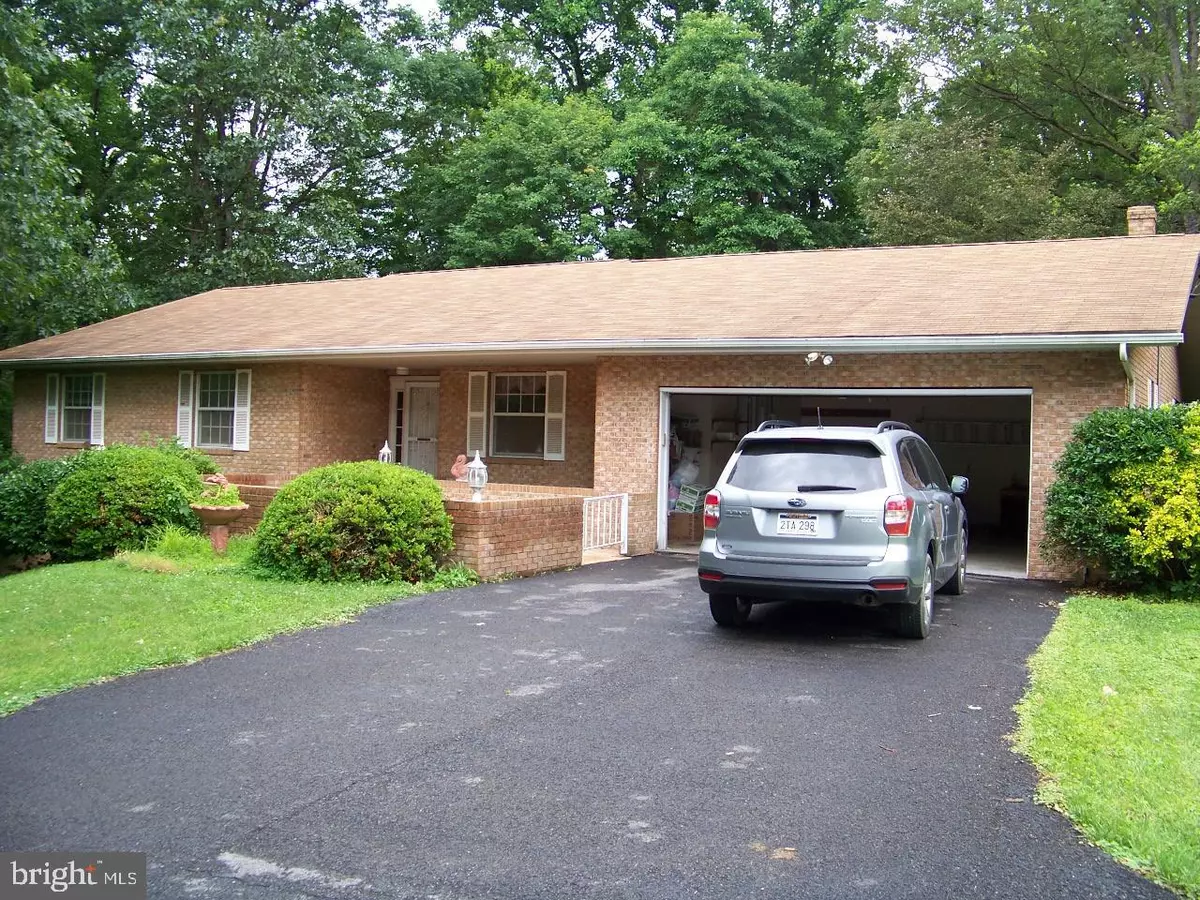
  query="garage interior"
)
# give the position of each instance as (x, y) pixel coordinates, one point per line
(983, 435)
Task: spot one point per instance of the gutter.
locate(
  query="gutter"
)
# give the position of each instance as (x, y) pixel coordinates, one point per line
(1123, 353)
(653, 346)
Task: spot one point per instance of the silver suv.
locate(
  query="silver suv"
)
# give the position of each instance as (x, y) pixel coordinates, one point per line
(857, 515)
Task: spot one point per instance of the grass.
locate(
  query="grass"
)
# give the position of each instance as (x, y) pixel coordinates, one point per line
(64, 626)
(1112, 721)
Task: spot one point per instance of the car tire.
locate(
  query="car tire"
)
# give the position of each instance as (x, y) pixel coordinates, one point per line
(915, 619)
(729, 611)
(957, 584)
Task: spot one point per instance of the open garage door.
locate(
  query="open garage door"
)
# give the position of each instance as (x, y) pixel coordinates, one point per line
(982, 433)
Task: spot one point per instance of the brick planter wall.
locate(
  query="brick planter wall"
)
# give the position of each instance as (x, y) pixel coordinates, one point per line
(517, 530)
(518, 535)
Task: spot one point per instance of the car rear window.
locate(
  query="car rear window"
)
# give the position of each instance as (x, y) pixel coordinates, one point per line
(787, 465)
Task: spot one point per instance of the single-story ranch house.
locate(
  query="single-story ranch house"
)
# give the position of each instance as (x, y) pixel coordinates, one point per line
(597, 378)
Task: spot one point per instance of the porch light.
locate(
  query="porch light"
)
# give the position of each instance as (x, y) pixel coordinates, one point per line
(476, 477)
(385, 453)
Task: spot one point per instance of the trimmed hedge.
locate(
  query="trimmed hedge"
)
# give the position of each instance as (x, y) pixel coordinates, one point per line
(24, 493)
(1125, 500)
(359, 521)
(115, 497)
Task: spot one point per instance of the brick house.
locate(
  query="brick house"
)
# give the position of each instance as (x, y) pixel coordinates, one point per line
(609, 376)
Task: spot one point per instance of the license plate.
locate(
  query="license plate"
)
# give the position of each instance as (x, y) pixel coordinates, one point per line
(797, 524)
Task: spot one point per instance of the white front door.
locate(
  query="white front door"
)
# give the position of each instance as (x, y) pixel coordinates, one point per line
(420, 426)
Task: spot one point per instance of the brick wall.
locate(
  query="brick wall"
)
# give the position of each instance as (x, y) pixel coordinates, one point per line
(1159, 363)
(1066, 387)
(140, 403)
(259, 497)
(574, 471)
(343, 414)
(518, 536)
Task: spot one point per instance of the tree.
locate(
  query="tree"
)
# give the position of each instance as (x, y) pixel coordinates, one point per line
(52, 274)
(921, 181)
(1105, 76)
(527, 188)
(719, 157)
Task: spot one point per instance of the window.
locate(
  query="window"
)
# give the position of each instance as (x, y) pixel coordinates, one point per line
(790, 466)
(518, 415)
(213, 409)
(524, 411)
(77, 408)
(216, 394)
(74, 408)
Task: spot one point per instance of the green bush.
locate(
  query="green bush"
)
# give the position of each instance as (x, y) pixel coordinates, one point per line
(1125, 500)
(23, 495)
(116, 497)
(361, 521)
(198, 459)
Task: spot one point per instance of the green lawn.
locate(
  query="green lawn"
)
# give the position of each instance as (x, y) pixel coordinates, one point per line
(1112, 721)
(67, 625)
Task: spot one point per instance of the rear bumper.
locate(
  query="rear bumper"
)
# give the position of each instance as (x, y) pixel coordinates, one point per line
(895, 578)
(864, 593)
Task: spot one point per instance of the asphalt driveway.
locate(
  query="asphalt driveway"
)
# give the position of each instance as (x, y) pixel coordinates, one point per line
(586, 734)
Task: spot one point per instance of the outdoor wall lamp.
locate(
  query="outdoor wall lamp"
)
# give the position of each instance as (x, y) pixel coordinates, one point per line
(385, 453)
(477, 477)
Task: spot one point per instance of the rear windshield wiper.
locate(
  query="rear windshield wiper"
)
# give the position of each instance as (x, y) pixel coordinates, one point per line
(826, 487)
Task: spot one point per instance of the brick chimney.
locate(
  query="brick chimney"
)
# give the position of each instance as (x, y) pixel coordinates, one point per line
(1142, 220)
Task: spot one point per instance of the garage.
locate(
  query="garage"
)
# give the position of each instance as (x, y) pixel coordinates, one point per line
(981, 433)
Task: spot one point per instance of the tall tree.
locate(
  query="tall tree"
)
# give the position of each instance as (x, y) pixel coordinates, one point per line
(924, 181)
(720, 157)
(53, 275)
(527, 188)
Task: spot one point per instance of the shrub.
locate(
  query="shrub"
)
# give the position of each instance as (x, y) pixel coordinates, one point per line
(1125, 497)
(355, 522)
(116, 497)
(23, 495)
(198, 459)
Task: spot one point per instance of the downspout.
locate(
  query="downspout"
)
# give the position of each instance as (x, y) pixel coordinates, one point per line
(1123, 351)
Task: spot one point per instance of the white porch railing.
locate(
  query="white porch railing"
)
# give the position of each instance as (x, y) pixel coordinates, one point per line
(606, 522)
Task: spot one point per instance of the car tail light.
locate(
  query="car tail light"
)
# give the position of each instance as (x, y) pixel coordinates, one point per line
(897, 515)
(712, 510)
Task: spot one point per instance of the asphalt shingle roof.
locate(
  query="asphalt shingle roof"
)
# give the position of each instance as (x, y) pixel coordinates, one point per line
(1071, 287)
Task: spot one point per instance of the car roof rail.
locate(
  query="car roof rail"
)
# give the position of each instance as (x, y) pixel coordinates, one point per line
(892, 425)
(776, 423)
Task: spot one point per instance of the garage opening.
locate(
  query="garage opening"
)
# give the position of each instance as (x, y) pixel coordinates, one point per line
(983, 434)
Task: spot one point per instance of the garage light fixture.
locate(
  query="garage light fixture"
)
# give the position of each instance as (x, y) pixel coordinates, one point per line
(825, 358)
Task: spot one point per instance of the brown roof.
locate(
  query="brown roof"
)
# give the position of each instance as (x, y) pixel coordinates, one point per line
(1094, 287)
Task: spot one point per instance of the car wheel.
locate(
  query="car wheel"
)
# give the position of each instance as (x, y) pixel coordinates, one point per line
(728, 611)
(958, 581)
(916, 618)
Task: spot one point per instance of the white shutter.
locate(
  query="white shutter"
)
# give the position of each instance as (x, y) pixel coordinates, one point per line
(98, 410)
(556, 416)
(477, 404)
(241, 411)
(183, 411)
(51, 409)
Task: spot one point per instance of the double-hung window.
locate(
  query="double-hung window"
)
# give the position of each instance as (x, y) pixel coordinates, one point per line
(213, 410)
(74, 408)
(216, 393)
(517, 414)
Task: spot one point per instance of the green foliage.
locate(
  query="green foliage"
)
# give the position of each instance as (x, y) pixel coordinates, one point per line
(718, 157)
(219, 494)
(24, 494)
(197, 459)
(1125, 496)
(362, 521)
(115, 497)
(53, 275)
(923, 181)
